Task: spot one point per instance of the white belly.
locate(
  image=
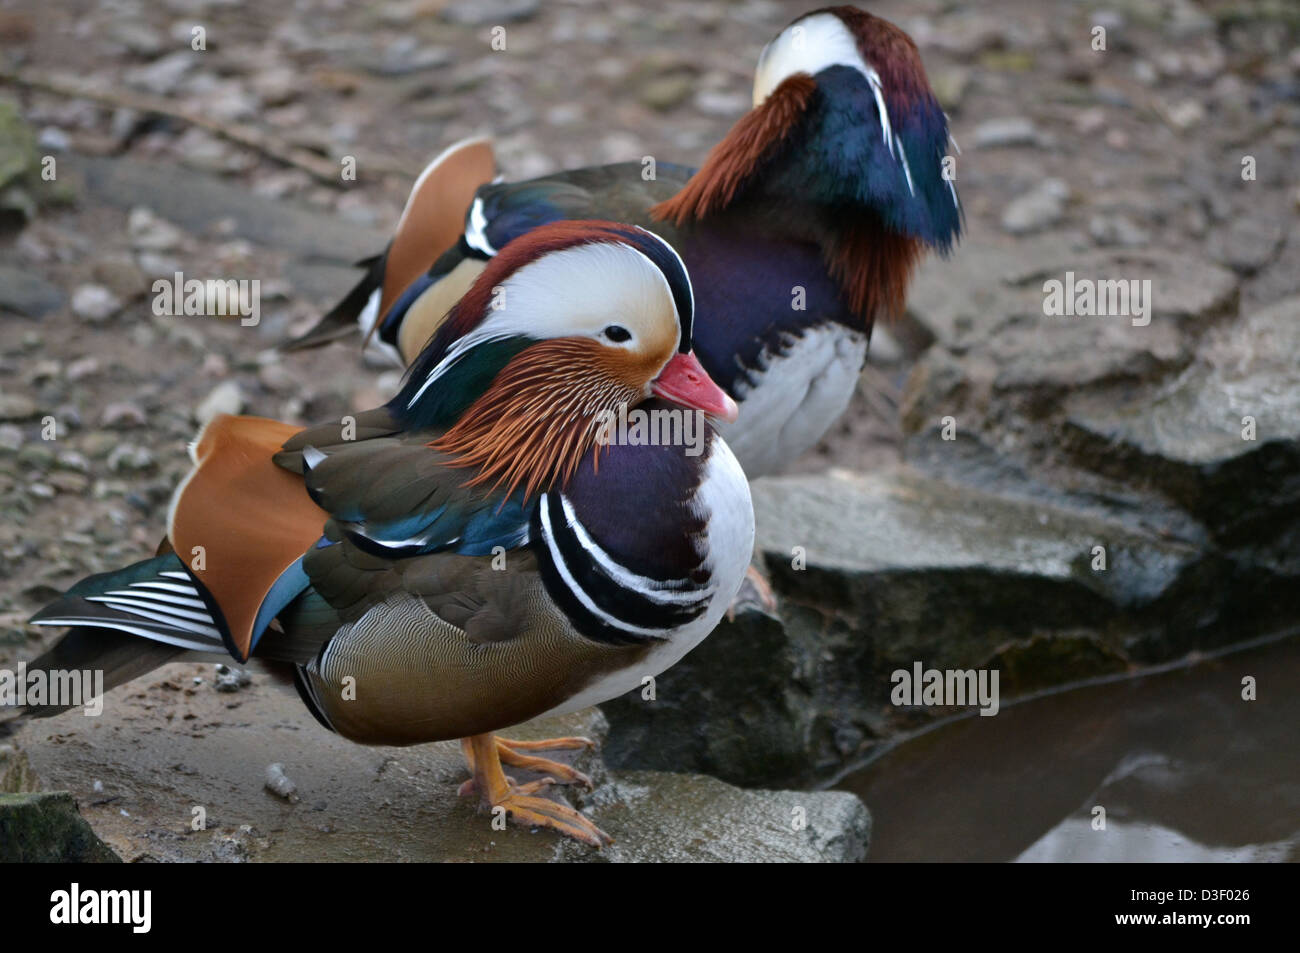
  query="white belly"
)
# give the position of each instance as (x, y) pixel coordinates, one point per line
(796, 398)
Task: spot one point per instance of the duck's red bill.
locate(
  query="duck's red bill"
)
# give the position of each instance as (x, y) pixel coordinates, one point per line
(684, 381)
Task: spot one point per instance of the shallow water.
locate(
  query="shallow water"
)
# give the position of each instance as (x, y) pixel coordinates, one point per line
(1185, 769)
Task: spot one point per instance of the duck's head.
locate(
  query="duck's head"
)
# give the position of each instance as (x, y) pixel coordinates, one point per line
(565, 325)
(843, 118)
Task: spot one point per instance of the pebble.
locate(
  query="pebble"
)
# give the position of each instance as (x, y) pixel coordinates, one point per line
(666, 92)
(72, 460)
(17, 407)
(82, 368)
(123, 415)
(162, 76)
(148, 232)
(1039, 208)
(1008, 131)
(1117, 230)
(229, 679)
(95, 303)
(276, 378)
(54, 139)
(490, 12)
(129, 458)
(278, 783)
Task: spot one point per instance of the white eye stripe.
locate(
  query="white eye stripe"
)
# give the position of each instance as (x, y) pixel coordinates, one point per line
(571, 292)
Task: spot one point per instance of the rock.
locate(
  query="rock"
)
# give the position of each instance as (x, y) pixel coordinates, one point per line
(681, 818)
(163, 76)
(17, 407)
(665, 92)
(1246, 244)
(140, 38)
(45, 827)
(950, 87)
(967, 301)
(148, 232)
(490, 12)
(717, 102)
(1009, 131)
(16, 774)
(276, 378)
(279, 784)
(95, 303)
(230, 679)
(129, 458)
(25, 293)
(1190, 439)
(18, 158)
(123, 415)
(410, 54)
(54, 139)
(225, 398)
(898, 568)
(194, 201)
(1039, 208)
(1117, 230)
(122, 276)
(372, 803)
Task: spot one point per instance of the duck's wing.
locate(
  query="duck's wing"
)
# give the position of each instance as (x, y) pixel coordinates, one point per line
(431, 222)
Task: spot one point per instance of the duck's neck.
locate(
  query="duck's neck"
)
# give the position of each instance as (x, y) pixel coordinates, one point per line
(538, 420)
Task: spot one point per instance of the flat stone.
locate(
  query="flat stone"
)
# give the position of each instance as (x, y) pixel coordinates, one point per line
(193, 201)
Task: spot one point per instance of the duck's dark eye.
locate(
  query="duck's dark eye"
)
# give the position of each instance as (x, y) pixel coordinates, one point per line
(617, 333)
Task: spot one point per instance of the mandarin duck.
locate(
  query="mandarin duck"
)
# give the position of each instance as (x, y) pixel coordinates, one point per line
(804, 225)
(474, 554)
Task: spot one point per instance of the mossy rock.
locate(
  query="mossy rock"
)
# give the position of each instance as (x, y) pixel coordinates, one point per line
(46, 827)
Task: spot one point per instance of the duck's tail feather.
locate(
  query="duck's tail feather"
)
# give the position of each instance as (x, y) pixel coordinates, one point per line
(121, 625)
(344, 319)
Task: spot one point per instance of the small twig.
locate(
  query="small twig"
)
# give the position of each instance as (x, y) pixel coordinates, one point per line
(316, 165)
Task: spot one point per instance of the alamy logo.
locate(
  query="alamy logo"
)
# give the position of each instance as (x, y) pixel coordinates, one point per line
(103, 906)
(947, 688)
(64, 688)
(1109, 297)
(658, 427)
(215, 297)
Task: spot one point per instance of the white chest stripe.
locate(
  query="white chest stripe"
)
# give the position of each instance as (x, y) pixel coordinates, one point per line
(650, 589)
(549, 535)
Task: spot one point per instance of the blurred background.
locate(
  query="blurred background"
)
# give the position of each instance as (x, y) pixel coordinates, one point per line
(1171, 155)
